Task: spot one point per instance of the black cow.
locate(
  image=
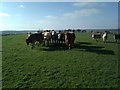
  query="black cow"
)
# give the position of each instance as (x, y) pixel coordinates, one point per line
(117, 37)
(33, 38)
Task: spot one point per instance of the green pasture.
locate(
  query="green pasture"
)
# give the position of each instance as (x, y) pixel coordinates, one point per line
(89, 64)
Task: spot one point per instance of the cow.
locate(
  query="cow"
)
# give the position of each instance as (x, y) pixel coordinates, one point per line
(117, 37)
(54, 37)
(47, 37)
(96, 35)
(33, 38)
(61, 37)
(104, 37)
(69, 39)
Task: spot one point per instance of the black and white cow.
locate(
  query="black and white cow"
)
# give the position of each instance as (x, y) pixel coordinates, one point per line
(117, 37)
(33, 38)
(96, 35)
(99, 35)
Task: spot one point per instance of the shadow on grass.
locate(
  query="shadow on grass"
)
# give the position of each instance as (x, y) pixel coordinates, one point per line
(55, 47)
(86, 46)
(113, 42)
(87, 43)
(89, 47)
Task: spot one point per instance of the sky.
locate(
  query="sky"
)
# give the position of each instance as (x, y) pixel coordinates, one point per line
(58, 15)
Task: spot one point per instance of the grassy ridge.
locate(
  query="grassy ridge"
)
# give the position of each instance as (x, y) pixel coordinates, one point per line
(89, 64)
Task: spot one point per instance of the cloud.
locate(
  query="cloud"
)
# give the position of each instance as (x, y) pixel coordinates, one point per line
(21, 6)
(84, 4)
(51, 17)
(4, 14)
(74, 14)
(67, 20)
(83, 12)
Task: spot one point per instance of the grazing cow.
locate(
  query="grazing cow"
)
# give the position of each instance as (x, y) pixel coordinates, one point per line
(33, 38)
(117, 37)
(69, 39)
(47, 37)
(96, 36)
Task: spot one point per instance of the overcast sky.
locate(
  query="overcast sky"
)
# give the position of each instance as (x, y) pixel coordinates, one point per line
(58, 15)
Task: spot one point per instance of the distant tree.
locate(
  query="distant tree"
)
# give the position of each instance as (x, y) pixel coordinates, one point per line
(69, 30)
(53, 30)
(83, 30)
(73, 30)
(59, 31)
(78, 30)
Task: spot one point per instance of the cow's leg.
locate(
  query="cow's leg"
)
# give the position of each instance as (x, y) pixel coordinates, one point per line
(72, 44)
(69, 46)
(39, 43)
(97, 40)
(43, 42)
(54, 40)
(47, 42)
(103, 39)
(50, 41)
(33, 45)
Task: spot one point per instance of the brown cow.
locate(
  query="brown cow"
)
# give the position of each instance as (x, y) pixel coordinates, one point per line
(69, 39)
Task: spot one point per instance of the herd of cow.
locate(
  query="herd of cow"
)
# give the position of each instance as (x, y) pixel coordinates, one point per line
(48, 37)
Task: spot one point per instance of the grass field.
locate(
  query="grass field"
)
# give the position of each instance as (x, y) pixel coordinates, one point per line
(88, 65)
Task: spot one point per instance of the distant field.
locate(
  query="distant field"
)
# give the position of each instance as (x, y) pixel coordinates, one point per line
(88, 65)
